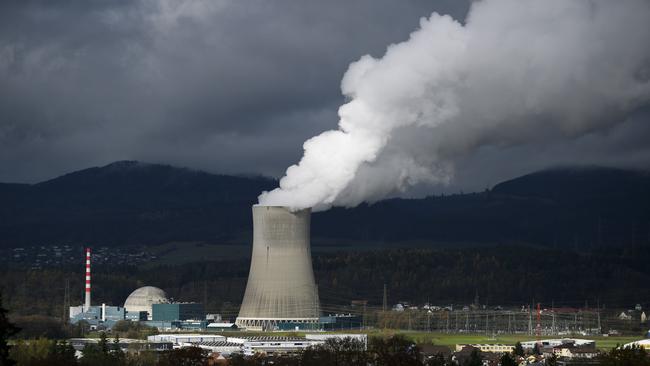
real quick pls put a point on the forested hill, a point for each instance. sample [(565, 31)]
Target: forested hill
[(138, 203)]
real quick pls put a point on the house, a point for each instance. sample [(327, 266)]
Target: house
[(571, 351), (493, 348)]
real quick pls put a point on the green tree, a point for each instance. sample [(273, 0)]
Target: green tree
[(625, 356), (437, 360), (142, 358), (551, 361), (7, 329), (122, 326), (507, 360), (336, 352), (61, 354), (117, 353), (102, 354), (43, 352), (238, 359), (190, 356), (474, 358), (394, 351), (519, 350)]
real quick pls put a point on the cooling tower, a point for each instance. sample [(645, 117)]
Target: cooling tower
[(281, 286)]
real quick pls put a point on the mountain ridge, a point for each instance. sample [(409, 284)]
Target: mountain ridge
[(130, 202)]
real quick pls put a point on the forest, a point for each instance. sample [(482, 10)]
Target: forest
[(509, 276)]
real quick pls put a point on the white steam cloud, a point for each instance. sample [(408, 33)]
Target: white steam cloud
[(518, 71)]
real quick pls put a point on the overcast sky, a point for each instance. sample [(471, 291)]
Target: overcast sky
[(223, 86)]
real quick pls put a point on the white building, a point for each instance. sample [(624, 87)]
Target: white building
[(223, 347), (495, 348), (575, 352), (178, 339), (558, 342), (644, 343)]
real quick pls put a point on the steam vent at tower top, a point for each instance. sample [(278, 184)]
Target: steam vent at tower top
[(281, 286)]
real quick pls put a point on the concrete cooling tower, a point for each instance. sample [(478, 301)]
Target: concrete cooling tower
[(281, 286)]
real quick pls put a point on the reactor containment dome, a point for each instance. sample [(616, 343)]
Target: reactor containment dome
[(281, 286), (142, 299)]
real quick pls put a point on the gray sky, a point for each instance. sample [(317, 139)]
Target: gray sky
[(222, 86)]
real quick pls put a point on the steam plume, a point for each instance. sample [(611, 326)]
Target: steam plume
[(518, 71)]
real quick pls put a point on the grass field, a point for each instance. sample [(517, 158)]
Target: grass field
[(451, 340)]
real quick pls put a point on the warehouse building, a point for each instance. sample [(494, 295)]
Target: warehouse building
[(177, 339)]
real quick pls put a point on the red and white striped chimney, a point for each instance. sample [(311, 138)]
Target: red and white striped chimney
[(87, 304)]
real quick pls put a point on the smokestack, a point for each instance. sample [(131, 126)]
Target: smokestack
[(281, 286), (87, 303)]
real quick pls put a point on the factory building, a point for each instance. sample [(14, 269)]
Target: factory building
[(138, 307), (252, 345), (281, 286), (94, 315), (177, 311)]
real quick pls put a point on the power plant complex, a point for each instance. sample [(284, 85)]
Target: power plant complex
[(281, 291), (147, 304)]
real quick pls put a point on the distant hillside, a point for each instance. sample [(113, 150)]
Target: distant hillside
[(137, 203), (128, 202), (568, 207)]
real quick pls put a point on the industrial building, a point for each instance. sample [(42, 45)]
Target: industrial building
[(185, 338), (252, 345), (177, 311), (94, 315), (125, 344), (143, 298), (281, 287), (139, 306)]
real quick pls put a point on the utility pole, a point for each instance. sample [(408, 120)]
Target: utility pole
[(509, 330), (66, 301), (600, 331), (205, 296), (385, 298), (530, 321), (539, 323), (553, 326), (446, 313), (553, 330)]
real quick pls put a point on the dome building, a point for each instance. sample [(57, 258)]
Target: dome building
[(142, 299)]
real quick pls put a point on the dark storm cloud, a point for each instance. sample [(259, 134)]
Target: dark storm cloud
[(225, 86)]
